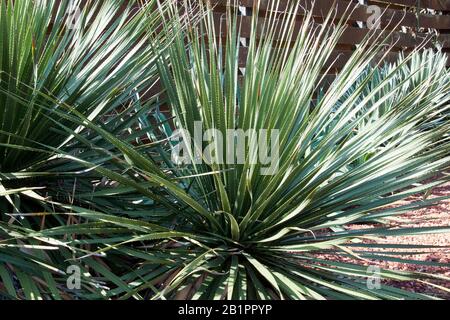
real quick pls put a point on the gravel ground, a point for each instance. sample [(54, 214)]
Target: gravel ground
[(438, 215)]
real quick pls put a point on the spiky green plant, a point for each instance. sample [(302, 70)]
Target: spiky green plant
[(91, 55), (94, 56), (408, 76), (224, 231)]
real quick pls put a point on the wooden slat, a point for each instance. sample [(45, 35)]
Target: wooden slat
[(442, 5), (444, 39), (351, 35), (338, 58)]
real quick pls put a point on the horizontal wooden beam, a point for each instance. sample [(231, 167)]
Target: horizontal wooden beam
[(441, 5), (351, 35)]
